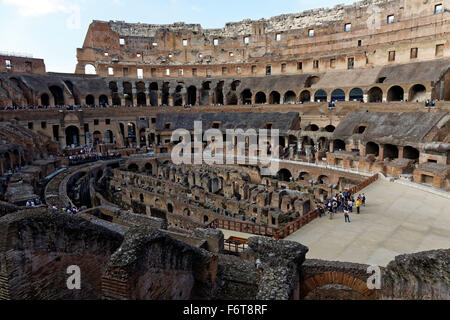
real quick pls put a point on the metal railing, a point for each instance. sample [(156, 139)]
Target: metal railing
[(244, 227)]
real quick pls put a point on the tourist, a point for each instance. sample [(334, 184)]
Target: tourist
[(346, 215), (364, 199), (350, 204), (335, 205), (28, 204), (358, 205)]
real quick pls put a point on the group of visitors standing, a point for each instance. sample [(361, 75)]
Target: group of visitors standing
[(343, 202)]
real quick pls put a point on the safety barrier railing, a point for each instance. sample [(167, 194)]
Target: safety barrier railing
[(244, 227)]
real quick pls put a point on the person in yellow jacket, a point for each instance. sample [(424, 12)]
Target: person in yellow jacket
[(358, 205)]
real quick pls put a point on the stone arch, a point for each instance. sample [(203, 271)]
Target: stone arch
[(141, 99), (141, 198), (219, 92), (312, 127), (246, 96), (260, 98), (109, 136), (274, 97), (305, 96), (320, 96), (395, 93), (375, 94), (323, 179), (45, 100), (58, 95), (90, 100), (356, 94), (284, 175), (411, 153), (338, 95), (128, 93), (178, 95), (72, 136), (103, 100), (390, 151), (90, 69), (304, 176), (153, 94), (418, 93), (192, 95), (335, 278), (290, 97), (339, 144), (97, 137), (232, 98), (148, 168), (330, 128), (165, 93), (116, 101), (372, 148), (205, 93)]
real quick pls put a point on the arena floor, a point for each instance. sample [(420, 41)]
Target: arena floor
[(398, 219)]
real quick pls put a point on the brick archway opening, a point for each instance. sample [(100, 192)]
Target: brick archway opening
[(336, 281)]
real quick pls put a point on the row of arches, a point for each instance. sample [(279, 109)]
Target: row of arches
[(181, 95)]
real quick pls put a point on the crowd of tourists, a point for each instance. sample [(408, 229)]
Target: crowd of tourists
[(342, 203)]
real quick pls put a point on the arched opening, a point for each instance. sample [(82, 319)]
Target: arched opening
[(312, 80), (274, 97), (330, 128), (375, 95), (417, 93), (304, 176), (323, 180), (395, 93), (58, 95), (320, 96), (90, 100), (338, 95), (153, 94), (356, 95), (219, 92), (372, 148), (360, 129), (109, 137), (232, 98), (170, 208), (131, 132), (89, 69), (97, 136), (178, 96), (128, 93), (141, 99), (284, 175), (312, 127), (187, 213), (72, 136), (390, 151), (205, 219), (103, 100), (142, 137), (192, 96), (305, 96), (165, 94), (141, 197), (338, 145), (260, 98), (149, 168), (246, 96), (116, 101), (411, 153), (205, 93), (45, 100), (290, 97), (133, 167)]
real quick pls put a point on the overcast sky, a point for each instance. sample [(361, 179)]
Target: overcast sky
[(53, 29)]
